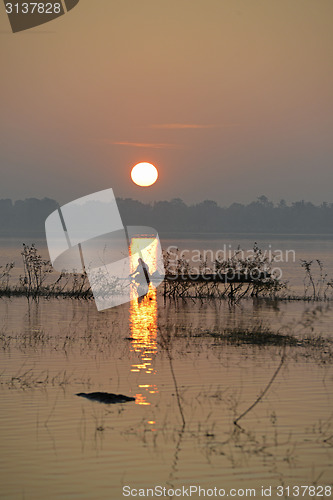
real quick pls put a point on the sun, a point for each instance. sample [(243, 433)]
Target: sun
[(144, 174)]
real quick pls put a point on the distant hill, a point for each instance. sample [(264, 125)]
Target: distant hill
[(27, 217)]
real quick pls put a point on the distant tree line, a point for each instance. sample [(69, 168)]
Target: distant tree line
[(27, 217), (260, 216)]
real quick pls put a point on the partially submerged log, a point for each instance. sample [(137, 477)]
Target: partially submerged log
[(106, 397)]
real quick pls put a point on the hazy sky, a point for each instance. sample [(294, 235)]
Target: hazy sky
[(230, 99)]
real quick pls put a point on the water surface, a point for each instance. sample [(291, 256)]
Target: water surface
[(57, 445)]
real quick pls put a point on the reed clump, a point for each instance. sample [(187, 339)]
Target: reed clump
[(234, 278), (317, 284), (40, 280)]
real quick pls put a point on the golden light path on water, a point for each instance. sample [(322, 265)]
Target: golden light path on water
[(143, 320)]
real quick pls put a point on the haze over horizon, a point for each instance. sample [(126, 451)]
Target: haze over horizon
[(229, 99)]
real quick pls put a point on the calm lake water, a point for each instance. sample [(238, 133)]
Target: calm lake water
[(57, 445)]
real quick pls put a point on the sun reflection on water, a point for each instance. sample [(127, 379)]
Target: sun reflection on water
[(143, 320)]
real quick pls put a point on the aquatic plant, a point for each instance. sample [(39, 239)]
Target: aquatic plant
[(165, 340), (233, 278), (5, 275), (316, 279), (40, 280), (36, 270)]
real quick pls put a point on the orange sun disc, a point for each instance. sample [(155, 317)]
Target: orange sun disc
[(144, 174)]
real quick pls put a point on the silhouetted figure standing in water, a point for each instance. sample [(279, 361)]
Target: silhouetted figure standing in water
[(142, 279), (141, 273)]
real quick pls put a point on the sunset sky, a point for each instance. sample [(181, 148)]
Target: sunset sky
[(230, 99)]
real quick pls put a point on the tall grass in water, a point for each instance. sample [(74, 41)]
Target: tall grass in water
[(37, 281), (316, 280), (5, 276), (35, 268)]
